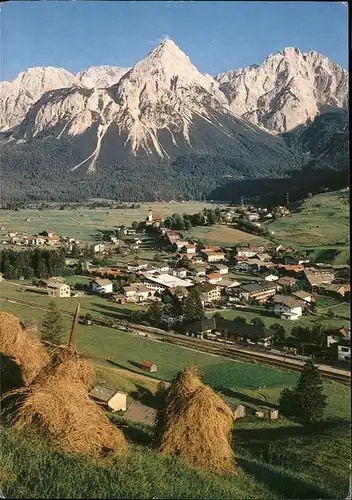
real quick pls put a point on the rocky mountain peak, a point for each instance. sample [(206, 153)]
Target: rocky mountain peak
[(18, 95), (288, 89)]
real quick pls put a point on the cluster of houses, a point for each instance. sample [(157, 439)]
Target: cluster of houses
[(210, 270), (48, 237)]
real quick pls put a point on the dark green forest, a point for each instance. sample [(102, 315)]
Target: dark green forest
[(39, 170)]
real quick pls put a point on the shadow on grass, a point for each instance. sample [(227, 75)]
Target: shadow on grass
[(36, 292), (290, 443), (126, 367), (118, 311), (286, 486), (135, 434), (246, 399)]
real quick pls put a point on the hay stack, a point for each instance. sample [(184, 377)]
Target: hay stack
[(57, 404), (21, 348), (197, 424)]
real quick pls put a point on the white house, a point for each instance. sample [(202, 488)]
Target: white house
[(58, 290), (36, 240), (213, 256), (189, 248), (179, 244), (170, 320), (199, 271), (271, 277), (100, 247), (248, 251), (101, 286), (222, 269), (161, 267), (180, 272), (136, 292), (287, 307), (344, 352)]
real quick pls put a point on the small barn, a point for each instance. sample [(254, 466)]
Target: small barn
[(239, 411), (149, 366), (267, 413), (110, 398), (138, 412)]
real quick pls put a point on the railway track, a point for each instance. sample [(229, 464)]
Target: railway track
[(252, 357), (211, 347)]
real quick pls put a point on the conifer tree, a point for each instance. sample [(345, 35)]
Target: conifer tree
[(311, 399), (307, 401), (154, 313), (52, 328), (193, 309)]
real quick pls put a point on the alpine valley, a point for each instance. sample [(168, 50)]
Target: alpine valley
[(163, 130)]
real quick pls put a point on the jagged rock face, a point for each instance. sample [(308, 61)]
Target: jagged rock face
[(100, 76), (288, 89), (161, 107), (18, 96)]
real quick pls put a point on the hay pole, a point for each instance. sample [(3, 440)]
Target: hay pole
[(73, 335)]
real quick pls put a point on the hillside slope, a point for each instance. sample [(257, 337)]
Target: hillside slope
[(321, 224)]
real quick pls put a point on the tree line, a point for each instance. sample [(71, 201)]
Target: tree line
[(39, 263)]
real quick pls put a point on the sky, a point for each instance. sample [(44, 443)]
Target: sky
[(217, 36)]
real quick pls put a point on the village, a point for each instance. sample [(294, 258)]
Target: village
[(270, 280)]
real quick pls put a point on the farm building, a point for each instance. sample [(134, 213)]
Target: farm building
[(235, 331), (137, 412), (238, 410), (58, 290), (149, 366), (267, 413), (110, 398), (257, 291)]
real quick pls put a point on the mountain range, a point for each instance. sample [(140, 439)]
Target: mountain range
[(162, 129)]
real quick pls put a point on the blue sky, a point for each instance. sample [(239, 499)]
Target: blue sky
[(217, 36)]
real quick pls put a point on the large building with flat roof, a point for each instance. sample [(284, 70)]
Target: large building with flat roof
[(161, 282)]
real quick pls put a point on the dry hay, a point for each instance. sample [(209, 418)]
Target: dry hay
[(57, 404), (21, 347), (66, 364), (197, 425)]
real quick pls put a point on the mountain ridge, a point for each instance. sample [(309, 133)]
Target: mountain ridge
[(162, 128)]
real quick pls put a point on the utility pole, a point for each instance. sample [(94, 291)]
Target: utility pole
[(242, 202)]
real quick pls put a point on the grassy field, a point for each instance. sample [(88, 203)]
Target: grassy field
[(85, 223), (280, 460), (276, 459), (223, 235), (320, 224)]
